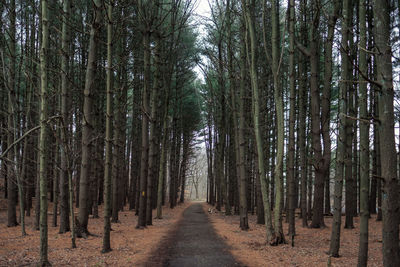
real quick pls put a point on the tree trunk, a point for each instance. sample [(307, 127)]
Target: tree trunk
[(87, 122), (342, 138), (326, 103), (154, 95), (271, 238), (11, 168), (318, 202), (278, 97), (108, 138), (390, 201), (244, 224), (292, 122), (302, 70), (145, 132), (64, 209), (43, 147), (364, 140)]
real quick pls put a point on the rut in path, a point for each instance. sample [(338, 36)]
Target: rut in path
[(193, 243)]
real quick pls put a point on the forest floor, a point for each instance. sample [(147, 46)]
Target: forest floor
[(310, 245), (131, 246)]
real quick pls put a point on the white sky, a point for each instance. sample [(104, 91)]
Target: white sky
[(202, 8)]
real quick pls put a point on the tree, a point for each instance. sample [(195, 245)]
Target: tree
[(248, 16), (108, 138), (278, 98), (342, 137), (64, 212), (390, 201), (11, 168), (87, 120), (43, 147), (364, 140), (292, 118)]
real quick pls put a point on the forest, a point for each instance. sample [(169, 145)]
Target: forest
[(118, 117)]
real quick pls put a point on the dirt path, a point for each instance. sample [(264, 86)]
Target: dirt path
[(193, 243)]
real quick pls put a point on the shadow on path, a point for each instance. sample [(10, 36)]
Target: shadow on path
[(193, 243)]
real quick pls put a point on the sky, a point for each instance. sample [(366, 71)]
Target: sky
[(203, 8)]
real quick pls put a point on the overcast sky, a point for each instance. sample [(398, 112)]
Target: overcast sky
[(203, 8)]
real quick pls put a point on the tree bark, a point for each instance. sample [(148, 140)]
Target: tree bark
[(364, 140), (292, 120), (108, 138), (43, 147), (342, 138), (271, 237), (390, 199), (87, 121), (11, 168), (145, 132)]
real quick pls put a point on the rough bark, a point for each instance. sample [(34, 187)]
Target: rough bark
[(342, 138), (390, 199), (292, 120), (364, 140), (43, 146), (145, 132), (271, 238), (108, 138), (87, 121), (11, 168)]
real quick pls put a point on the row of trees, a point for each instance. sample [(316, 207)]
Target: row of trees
[(298, 95), (99, 105)]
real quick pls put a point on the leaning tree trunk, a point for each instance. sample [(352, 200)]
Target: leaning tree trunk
[(256, 118)]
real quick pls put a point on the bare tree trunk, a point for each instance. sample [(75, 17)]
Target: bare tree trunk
[(278, 97), (244, 224), (11, 164), (302, 120), (342, 137), (364, 140), (151, 176), (326, 103), (318, 202), (64, 211), (390, 201), (292, 121), (43, 147), (108, 139), (87, 121), (145, 132), (271, 237)]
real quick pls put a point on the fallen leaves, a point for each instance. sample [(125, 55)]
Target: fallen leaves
[(311, 245), (131, 246)]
